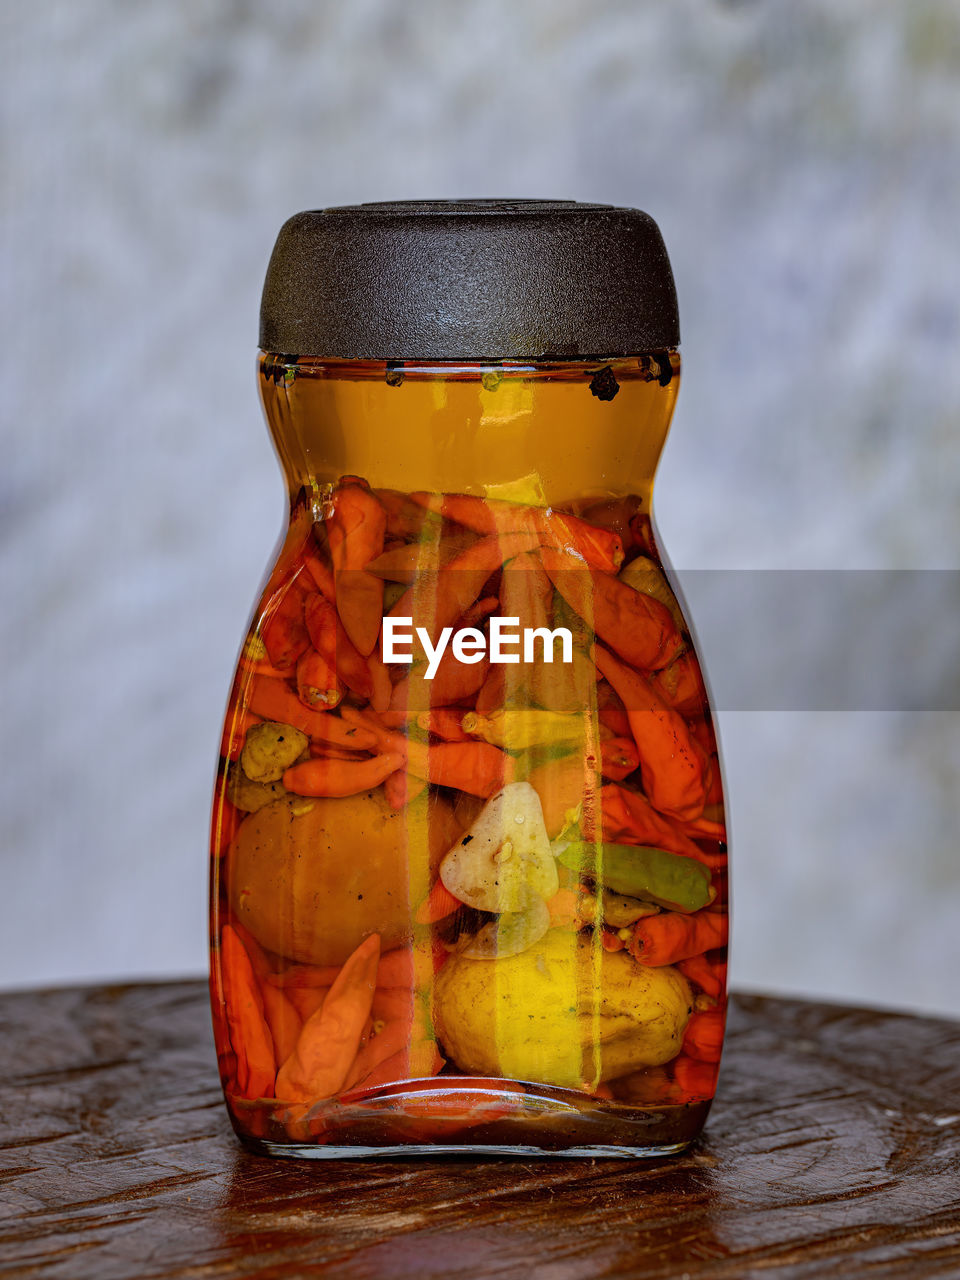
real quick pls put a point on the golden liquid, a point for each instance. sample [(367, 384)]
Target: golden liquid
[(454, 429)]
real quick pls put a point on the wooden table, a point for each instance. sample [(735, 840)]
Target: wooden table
[(833, 1150)]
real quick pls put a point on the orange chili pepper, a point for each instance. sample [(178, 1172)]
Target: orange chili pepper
[(250, 667), (405, 561), (651, 1084), (444, 722), (417, 1059), (395, 969), (282, 1018), (446, 593), (224, 821), (566, 786), (614, 514), (705, 828), (328, 777), (274, 700), (454, 1103), (355, 532), (493, 691), (629, 818), (611, 941), (479, 610), (402, 562), (381, 687), (703, 1038), (318, 685), (374, 1072), (474, 767), (393, 1003), (390, 1045), (696, 1079), (249, 1033), (402, 789), (328, 1043), (283, 630), (454, 681), (674, 935), (669, 765), (320, 619), (601, 548), (320, 573), (702, 730), (282, 1014), (328, 636), (400, 1048), (328, 751), (255, 953), (639, 628), (620, 757), (564, 909), (680, 685), (710, 977), (642, 529), (526, 593), (405, 518), (307, 1000), (226, 1058), (611, 712), (438, 904), (715, 785)]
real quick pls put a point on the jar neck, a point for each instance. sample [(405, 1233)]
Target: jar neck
[(520, 432)]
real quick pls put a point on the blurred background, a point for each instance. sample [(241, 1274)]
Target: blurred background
[(803, 162)]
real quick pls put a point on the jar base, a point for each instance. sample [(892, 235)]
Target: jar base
[(468, 1116), (475, 1151)]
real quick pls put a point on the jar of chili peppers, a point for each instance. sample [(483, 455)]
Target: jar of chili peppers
[(469, 869)]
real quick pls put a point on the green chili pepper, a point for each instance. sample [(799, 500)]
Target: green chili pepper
[(668, 879)]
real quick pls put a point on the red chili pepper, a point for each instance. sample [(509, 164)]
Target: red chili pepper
[(639, 628), (696, 1079), (249, 1033), (710, 976), (283, 629), (629, 818), (599, 547), (327, 777), (444, 594), (274, 700), (703, 1038), (318, 685), (355, 531), (669, 765), (674, 935)]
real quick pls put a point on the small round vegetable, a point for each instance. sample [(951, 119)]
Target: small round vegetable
[(249, 796), (313, 885), (563, 1012), (270, 749)]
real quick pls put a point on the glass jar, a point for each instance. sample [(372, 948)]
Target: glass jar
[(469, 885)]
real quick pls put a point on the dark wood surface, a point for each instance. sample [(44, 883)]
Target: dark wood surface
[(833, 1150)]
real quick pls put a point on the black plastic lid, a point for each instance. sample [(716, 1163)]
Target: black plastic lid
[(468, 280)]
